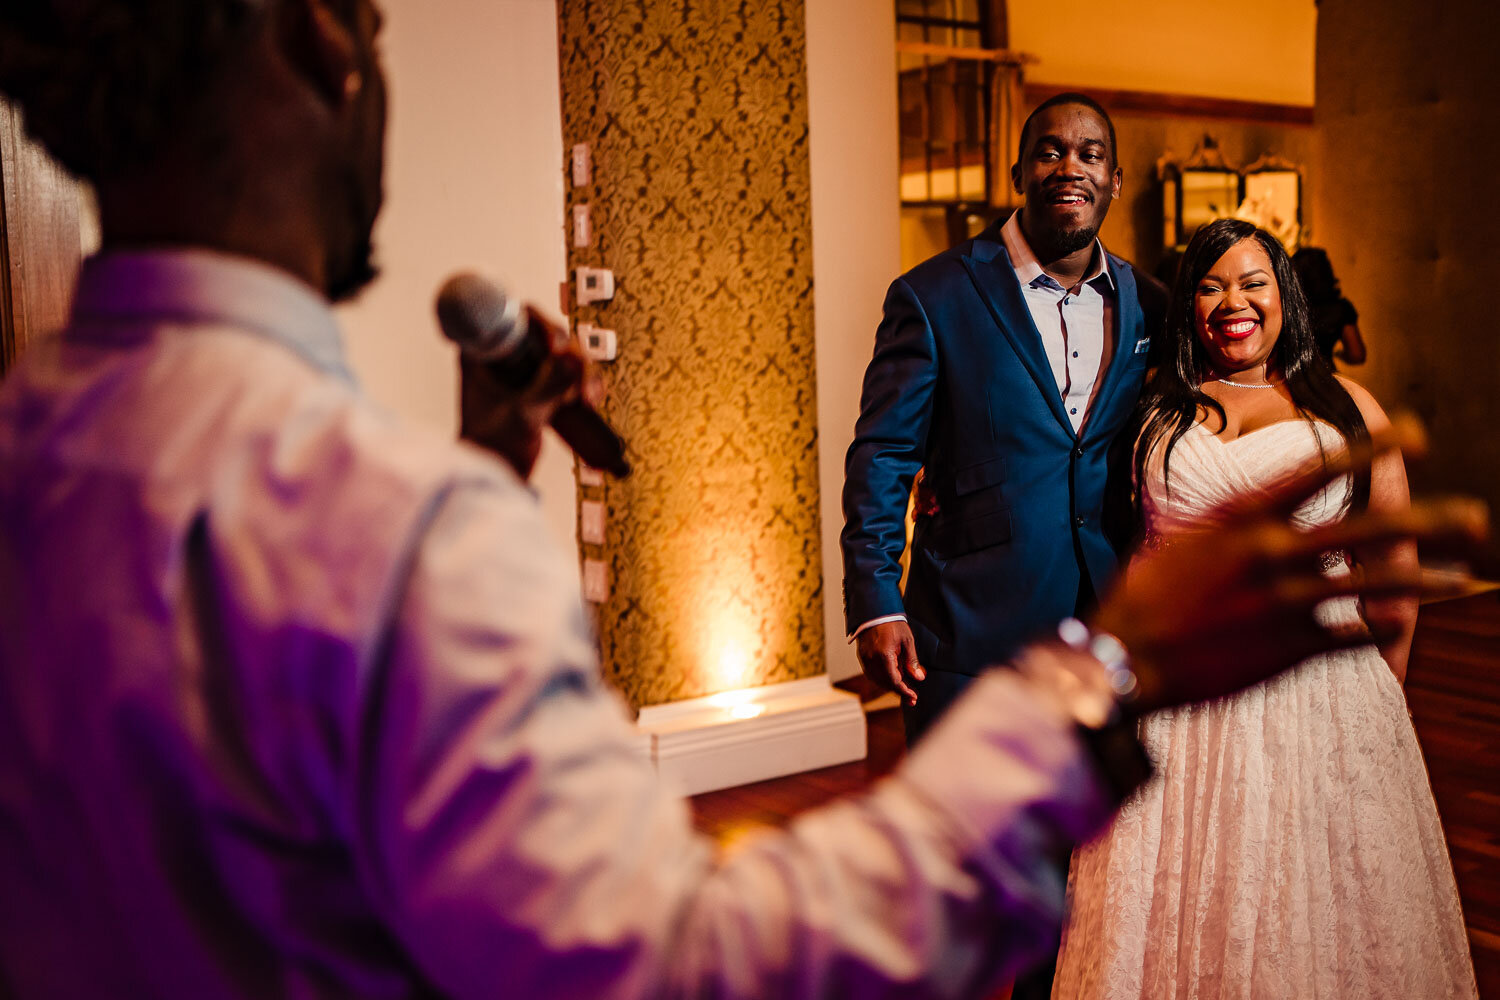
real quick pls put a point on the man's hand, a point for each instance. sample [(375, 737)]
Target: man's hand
[(509, 422), (1217, 610), (887, 654)]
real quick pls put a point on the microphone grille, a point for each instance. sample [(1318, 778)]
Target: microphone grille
[(475, 314)]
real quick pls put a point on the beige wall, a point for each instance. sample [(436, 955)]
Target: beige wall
[(1211, 48), (1406, 110), (474, 181), (851, 82)]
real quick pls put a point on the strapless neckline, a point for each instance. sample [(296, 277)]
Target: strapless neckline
[(1207, 472), (1296, 421)]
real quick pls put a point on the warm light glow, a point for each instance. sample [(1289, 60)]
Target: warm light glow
[(739, 704), (729, 650), (733, 664), (943, 184), (732, 636), (730, 699)]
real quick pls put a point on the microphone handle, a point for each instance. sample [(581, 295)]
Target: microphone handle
[(591, 439), (577, 423)]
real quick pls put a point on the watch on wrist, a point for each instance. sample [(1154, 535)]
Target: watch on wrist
[(1111, 654), (1089, 675)]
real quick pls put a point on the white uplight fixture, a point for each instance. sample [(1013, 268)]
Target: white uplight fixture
[(745, 732), (750, 734)]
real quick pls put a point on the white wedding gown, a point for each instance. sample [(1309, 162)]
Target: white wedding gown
[(1288, 846)]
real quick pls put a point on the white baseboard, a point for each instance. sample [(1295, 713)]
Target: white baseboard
[(739, 737)]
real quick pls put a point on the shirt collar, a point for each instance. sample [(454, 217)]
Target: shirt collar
[(198, 286), (1029, 270)]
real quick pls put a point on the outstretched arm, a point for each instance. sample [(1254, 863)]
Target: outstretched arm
[(517, 843), (514, 840)]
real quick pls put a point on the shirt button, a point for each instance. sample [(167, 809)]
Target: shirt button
[(1075, 354), (1073, 410)]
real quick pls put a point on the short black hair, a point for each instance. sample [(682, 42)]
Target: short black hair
[(1071, 97), (103, 84)]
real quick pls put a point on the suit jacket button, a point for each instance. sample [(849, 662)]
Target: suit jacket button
[(1078, 452), (1080, 520)]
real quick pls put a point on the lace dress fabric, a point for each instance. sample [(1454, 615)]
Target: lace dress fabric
[(1289, 846)]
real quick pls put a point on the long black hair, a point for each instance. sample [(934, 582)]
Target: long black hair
[(1173, 393)]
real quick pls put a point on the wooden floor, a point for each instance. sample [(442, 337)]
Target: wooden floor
[(733, 812), (1453, 688)]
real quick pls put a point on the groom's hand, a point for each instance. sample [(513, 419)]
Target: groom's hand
[(1218, 609), (888, 655)]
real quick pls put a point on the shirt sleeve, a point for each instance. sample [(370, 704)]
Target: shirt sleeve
[(516, 840), (875, 621)]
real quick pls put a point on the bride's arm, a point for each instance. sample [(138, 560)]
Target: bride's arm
[(1388, 491)]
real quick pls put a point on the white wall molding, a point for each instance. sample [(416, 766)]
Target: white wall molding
[(740, 737)]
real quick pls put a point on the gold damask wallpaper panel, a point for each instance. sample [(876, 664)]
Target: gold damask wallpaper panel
[(696, 115)]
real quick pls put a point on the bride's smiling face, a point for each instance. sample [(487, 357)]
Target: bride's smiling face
[(1237, 307)]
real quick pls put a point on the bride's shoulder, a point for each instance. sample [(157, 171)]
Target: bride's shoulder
[(1375, 418)]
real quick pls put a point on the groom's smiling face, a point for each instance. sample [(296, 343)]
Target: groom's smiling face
[(1068, 174)]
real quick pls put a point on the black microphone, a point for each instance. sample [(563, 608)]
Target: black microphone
[(492, 328)]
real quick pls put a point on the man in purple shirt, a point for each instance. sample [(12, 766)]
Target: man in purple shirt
[(297, 700)]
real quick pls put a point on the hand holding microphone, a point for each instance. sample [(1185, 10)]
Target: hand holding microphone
[(520, 373)]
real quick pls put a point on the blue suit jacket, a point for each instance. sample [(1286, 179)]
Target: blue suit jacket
[(960, 385)]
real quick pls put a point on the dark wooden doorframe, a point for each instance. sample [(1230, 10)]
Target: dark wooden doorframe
[(8, 346), (42, 213)]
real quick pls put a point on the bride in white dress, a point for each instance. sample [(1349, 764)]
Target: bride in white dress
[(1289, 846)]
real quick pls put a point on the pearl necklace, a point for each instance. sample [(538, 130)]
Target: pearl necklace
[(1247, 385)]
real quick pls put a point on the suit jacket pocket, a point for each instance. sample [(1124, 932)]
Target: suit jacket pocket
[(978, 476), (951, 537)]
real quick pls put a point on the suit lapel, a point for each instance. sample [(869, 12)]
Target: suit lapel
[(1127, 316), (998, 286)]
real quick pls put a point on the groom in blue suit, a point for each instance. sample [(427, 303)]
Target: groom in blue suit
[(1004, 368)]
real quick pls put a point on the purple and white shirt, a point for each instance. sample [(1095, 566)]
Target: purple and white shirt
[(297, 700)]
